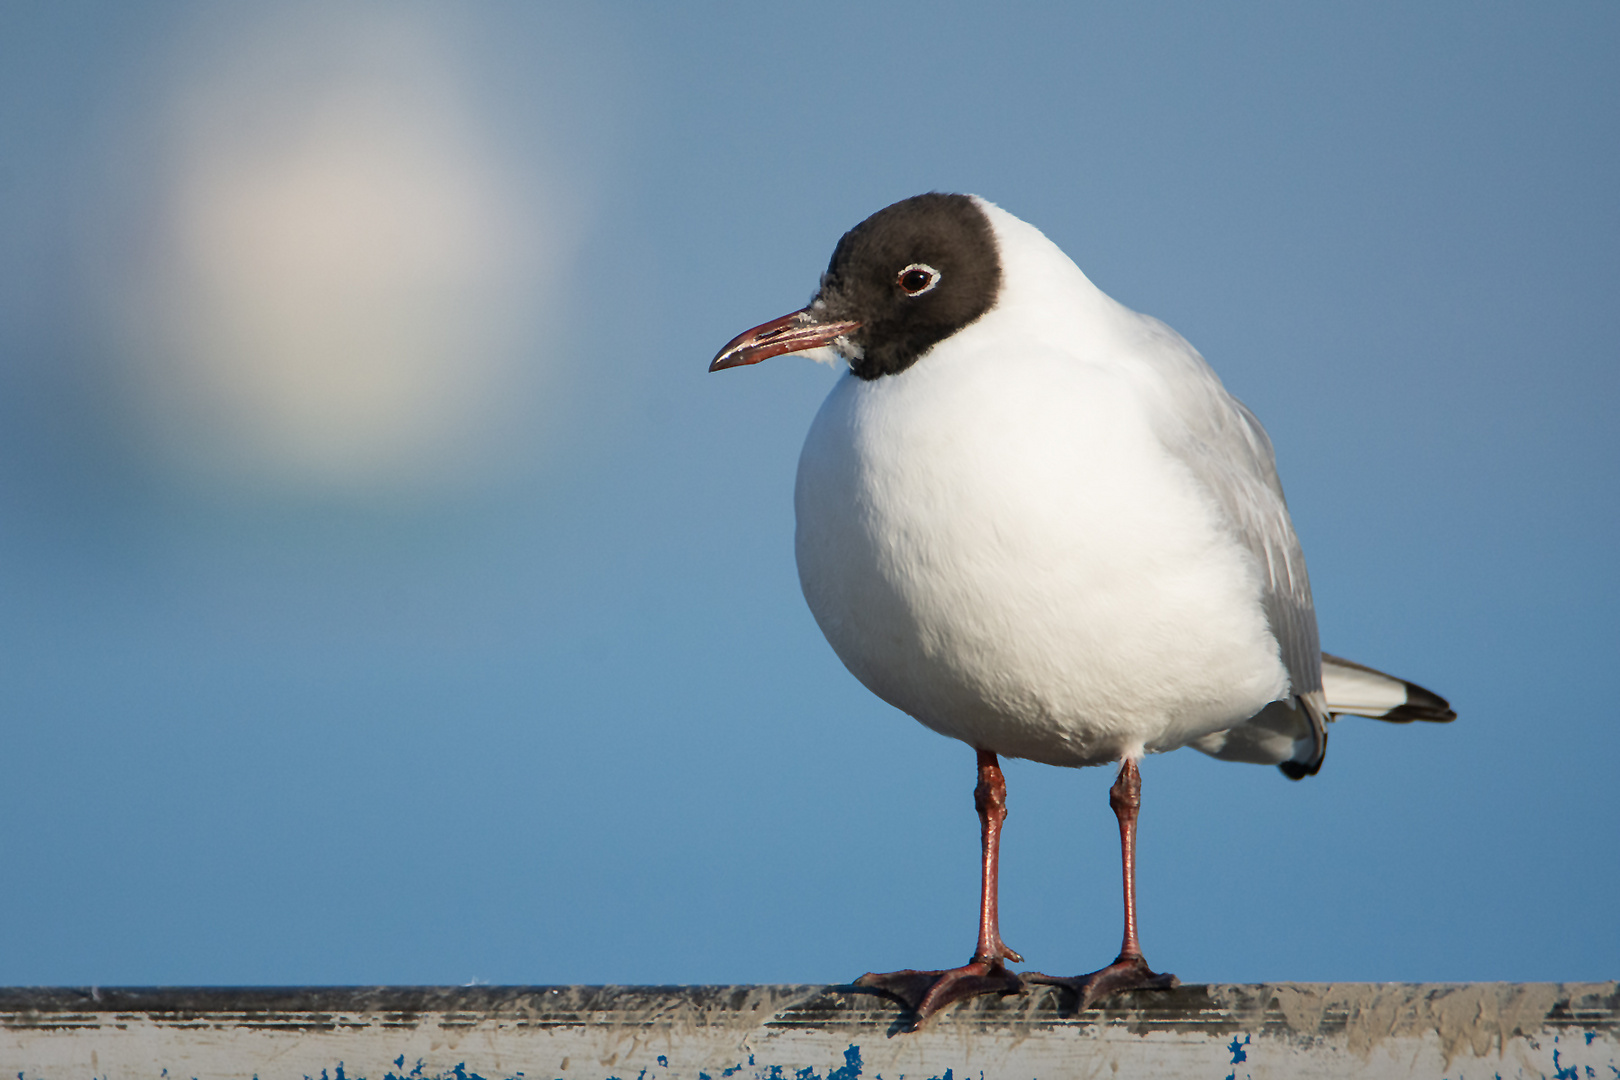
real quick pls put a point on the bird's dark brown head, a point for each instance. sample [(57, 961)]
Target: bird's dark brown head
[(912, 275), (900, 282)]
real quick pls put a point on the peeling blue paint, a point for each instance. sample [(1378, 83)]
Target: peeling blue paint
[(399, 1063), (853, 1067)]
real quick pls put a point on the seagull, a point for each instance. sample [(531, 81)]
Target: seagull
[(1036, 521)]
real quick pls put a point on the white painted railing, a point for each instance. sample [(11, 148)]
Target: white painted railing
[(1567, 1031)]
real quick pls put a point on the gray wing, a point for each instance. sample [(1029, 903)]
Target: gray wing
[(1240, 471), (1228, 452)]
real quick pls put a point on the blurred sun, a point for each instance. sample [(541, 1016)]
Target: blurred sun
[(342, 277)]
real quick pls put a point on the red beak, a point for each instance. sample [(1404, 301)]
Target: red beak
[(789, 334)]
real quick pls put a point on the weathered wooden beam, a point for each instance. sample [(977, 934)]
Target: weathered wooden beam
[(809, 1033)]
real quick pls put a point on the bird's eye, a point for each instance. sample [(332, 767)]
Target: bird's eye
[(917, 279)]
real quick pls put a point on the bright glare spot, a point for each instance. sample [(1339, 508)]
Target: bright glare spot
[(343, 277)]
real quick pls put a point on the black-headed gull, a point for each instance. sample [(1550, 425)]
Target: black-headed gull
[(1035, 520)]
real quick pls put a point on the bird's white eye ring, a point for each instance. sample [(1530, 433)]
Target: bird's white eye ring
[(917, 279)]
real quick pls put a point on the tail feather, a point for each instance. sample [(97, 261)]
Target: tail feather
[(1357, 690), (1292, 733)]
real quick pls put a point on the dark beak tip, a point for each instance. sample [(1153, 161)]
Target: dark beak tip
[(731, 356)]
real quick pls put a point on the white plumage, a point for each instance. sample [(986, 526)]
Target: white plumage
[(999, 541)]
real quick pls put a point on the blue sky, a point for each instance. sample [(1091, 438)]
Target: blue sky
[(388, 595)]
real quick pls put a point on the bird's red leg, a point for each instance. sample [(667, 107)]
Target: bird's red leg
[(926, 992), (1129, 971)]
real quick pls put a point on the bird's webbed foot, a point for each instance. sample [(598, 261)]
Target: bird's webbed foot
[(1125, 973), (927, 992)]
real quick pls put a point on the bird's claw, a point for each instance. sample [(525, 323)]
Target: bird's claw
[(1125, 973), (924, 993)]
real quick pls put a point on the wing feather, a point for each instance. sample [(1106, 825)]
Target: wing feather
[(1229, 453)]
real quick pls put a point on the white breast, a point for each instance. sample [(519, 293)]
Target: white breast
[(995, 542)]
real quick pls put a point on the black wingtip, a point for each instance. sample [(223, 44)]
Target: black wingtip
[(1421, 704), (1315, 712), (1299, 770)]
